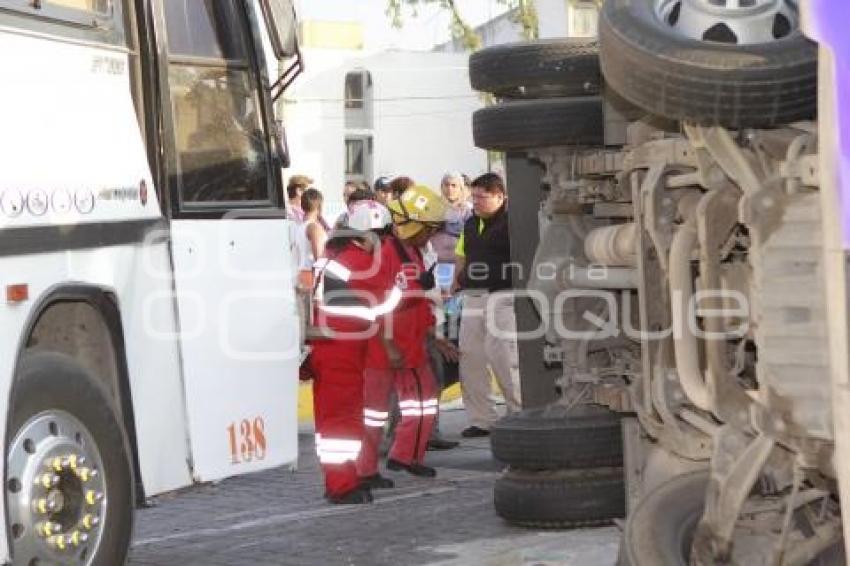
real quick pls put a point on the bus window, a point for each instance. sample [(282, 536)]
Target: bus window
[(100, 21), (221, 144)]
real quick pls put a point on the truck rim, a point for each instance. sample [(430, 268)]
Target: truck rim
[(740, 22), (56, 491)]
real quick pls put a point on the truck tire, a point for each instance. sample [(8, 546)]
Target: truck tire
[(585, 436), (531, 124), (537, 69), (661, 528), (561, 499), (711, 83), (67, 466)]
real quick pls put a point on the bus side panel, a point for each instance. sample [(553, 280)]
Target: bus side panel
[(240, 343), (73, 155), (143, 281)]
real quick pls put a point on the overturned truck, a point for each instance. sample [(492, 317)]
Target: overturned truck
[(685, 279)]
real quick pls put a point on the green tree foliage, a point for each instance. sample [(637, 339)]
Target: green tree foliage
[(525, 15)]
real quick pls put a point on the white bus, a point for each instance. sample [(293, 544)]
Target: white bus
[(150, 333)]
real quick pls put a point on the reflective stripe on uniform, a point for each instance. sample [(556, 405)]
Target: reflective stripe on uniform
[(413, 408), (336, 458), (376, 414), (366, 313), (375, 419), (335, 268), (337, 450), (418, 412)]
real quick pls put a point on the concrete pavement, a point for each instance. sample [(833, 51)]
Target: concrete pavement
[(278, 517)]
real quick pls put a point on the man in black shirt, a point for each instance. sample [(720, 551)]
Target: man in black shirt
[(488, 325)]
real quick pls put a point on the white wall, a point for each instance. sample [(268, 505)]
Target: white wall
[(423, 115), (313, 115), (552, 18), (502, 29), (422, 112)]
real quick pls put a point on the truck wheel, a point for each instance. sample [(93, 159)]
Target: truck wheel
[(745, 66), (661, 528), (554, 437), (69, 488), (537, 69), (561, 499), (530, 124)]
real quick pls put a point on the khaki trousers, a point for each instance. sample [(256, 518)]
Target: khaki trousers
[(488, 341)]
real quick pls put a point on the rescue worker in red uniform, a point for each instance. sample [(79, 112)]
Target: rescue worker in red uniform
[(397, 357), (353, 292)]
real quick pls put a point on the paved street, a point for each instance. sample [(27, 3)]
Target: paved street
[(279, 517)]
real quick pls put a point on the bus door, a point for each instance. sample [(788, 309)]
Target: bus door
[(233, 253)]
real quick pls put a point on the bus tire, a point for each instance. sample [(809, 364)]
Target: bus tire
[(561, 499), (554, 437), (529, 124), (711, 83), (59, 415), (537, 69)]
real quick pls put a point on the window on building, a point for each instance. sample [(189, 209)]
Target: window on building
[(583, 18), (354, 90), (355, 157)]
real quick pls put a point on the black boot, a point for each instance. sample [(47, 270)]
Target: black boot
[(357, 496), (438, 443), (415, 469), (376, 481), (474, 432)]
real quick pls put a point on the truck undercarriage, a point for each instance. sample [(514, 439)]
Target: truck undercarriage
[(680, 277)]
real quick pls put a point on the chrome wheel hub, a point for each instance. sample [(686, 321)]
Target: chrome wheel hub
[(55, 492), (741, 22)]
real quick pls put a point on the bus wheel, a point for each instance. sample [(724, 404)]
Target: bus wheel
[(69, 488)]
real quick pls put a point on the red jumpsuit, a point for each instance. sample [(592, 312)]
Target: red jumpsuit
[(408, 326), (358, 295)]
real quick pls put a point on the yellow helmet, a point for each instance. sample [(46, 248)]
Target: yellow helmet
[(416, 208)]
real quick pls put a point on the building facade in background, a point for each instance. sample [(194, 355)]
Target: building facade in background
[(556, 18), (359, 113), (355, 115)]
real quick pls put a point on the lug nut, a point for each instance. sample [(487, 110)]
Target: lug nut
[(57, 541), (78, 538), (57, 464), (86, 474), (93, 497), (48, 529), (44, 506), (71, 461), (47, 480), (90, 522)]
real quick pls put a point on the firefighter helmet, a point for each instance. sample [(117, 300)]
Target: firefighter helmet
[(367, 215), (416, 208)]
